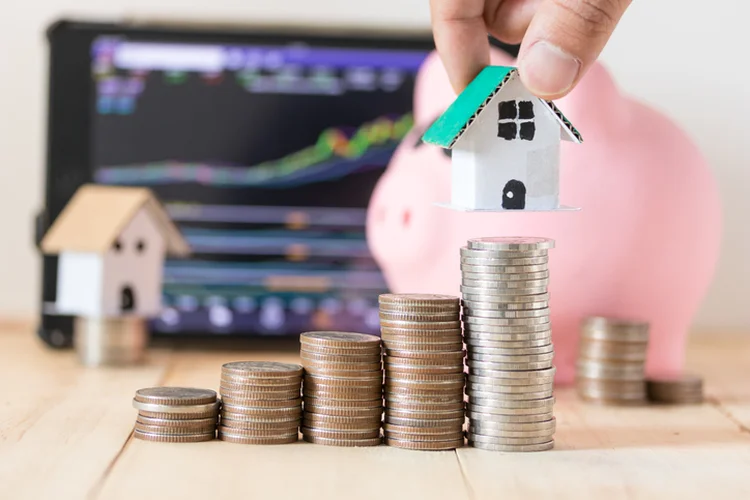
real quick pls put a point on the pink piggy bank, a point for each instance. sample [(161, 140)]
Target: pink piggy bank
[(643, 246)]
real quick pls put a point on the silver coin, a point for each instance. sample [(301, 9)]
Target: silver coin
[(431, 325), (498, 351), (500, 358), (501, 294), (500, 282), (261, 369), (510, 344), (479, 395), (482, 253), (494, 403), (488, 313), (517, 243), (540, 425), (469, 268), (523, 375), (503, 333), (505, 300), (504, 306), (477, 415), (479, 438), (479, 429), (509, 411), (484, 259), (587, 369), (606, 355), (513, 448), (510, 389), (511, 382), (486, 367), (425, 422), (505, 277), (522, 322)]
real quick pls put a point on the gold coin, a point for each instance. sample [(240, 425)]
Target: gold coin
[(342, 442), (368, 372), (418, 317), (197, 423), (350, 340), (447, 436), (344, 403), (425, 377), (175, 396), (239, 439), (418, 299), (340, 434), (423, 431), (339, 359), (180, 431), (432, 325), (179, 416), (427, 414), (367, 395), (410, 406), (276, 427), (425, 422), (424, 347), (425, 445), (264, 412), (262, 403), (174, 438), (256, 433), (456, 355), (341, 351), (261, 369), (343, 411)]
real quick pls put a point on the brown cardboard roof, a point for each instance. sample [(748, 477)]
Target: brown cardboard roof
[(95, 216)]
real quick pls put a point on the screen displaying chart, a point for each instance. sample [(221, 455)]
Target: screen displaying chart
[(265, 157)]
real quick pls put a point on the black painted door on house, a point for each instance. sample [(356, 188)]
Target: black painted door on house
[(514, 195), (127, 299)]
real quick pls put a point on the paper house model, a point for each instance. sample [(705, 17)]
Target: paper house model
[(112, 243), (505, 145)]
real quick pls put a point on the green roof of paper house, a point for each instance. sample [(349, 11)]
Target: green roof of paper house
[(446, 130)]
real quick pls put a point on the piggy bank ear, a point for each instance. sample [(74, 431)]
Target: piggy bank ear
[(433, 92)]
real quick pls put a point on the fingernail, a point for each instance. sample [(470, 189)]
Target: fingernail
[(548, 70)]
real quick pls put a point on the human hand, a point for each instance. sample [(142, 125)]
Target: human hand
[(560, 39)]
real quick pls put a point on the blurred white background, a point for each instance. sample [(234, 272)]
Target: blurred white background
[(685, 57)]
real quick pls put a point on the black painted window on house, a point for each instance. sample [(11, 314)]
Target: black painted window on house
[(516, 120)]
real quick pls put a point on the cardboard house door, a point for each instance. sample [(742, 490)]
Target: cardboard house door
[(514, 195), (127, 298)]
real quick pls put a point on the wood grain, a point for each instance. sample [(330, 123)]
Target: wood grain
[(65, 433)]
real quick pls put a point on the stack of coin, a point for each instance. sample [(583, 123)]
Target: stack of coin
[(684, 390), (509, 344), (424, 371), (611, 361), (343, 388), (175, 414), (261, 402)]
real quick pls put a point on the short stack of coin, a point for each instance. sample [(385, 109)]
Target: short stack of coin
[(176, 414), (612, 361), (678, 390), (261, 402), (508, 339), (343, 388), (424, 371)]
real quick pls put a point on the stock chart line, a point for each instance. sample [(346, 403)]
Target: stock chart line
[(334, 155)]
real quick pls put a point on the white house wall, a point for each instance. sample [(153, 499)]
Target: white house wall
[(494, 160), (79, 284), (142, 271)]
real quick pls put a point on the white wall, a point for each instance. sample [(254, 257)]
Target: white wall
[(686, 57)]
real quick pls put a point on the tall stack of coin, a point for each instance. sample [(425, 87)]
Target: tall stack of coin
[(612, 361), (676, 390), (424, 371), (261, 402), (175, 414), (508, 339), (343, 388)]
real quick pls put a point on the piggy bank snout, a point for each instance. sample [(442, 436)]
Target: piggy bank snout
[(403, 221)]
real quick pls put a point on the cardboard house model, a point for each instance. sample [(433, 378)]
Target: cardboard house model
[(505, 145), (112, 243)]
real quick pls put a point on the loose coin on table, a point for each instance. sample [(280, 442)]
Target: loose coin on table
[(261, 402), (510, 354), (342, 389), (677, 390), (175, 414), (424, 371)]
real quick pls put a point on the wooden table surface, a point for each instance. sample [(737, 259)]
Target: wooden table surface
[(65, 432)]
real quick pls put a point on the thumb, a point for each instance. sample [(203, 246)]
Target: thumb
[(563, 40)]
